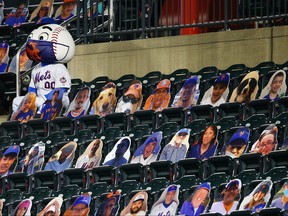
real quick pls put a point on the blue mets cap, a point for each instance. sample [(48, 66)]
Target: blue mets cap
[(153, 139), (223, 78), (264, 187), (83, 199), (12, 150), (240, 137), (233, 184), (205, 185), (183, 130), (125, 142), (4, 45), (172, 188), (47, 20), (191, 81)]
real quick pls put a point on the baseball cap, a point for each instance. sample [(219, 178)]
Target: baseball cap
[(46, 20), (4, 45), (67, 1), (172, 188), (183, 130), (153, 139), (68, 148), (83, 199), (233, 184), (12, 151), (163, 84), (205, 185), (139, 197), (192, 80), (125, 142), (223, 78), (240, 137)]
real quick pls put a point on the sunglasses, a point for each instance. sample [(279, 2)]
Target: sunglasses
[(127, 99)]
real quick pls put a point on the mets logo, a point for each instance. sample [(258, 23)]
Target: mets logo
[(63, 80)]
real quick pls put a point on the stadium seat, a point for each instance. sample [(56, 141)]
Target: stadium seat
[(186, 182), (169, 129), (250, 161), (230, 109), (276, 174), (271, 211), (217, 164), (117, 120), (276, 159), (25, 143), (16, 180), (255, 121), (155, 185), (133, 171), (101, 174), (235, 70), (148, 81), (258, 106), (172, 114), (37, 126), (14, 129), (11, 196), (81, 137), (201, 112), (206, 73), (197, 126), (246, 176), (73, 176), (241, 213), (159, 169), (76, 85), (190, 166), (144, 117), (281, 106), (5, 141), (122, 83), (97, 189), (91, 122), (64, 124), (211, 214), (226, 123), (97, 83), (46, 178), (176, 78)]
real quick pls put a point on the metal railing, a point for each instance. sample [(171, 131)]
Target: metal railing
[(130, 19)]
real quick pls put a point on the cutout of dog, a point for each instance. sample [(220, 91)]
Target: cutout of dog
[(106, 101), (247, 89)]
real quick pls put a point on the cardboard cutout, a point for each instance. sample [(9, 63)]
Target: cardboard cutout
[(80, 105), (80, 207), (67, 10), (188, 94), (247, 89), (34, 160), (206, 146), (106, 101), (24, 63), (280, 199), (92, 156), (149, 150), (120, 153), (276, 87), (167, 203), (23, 208), (237, 144), (9, 160), (177, 148), (160, 98), (259, 197), (228, 199), (110, 205), (267, 141), (63, 158), (217, 94), (45, 8), (198, 200), (52, 108), (27, 108), (4, 56), (53, 207), (131, 99), (137, 205)]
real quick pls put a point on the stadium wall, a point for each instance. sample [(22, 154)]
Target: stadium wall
[(166, 54)]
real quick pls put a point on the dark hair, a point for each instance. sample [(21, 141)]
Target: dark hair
[(215, 130), (280, 74)]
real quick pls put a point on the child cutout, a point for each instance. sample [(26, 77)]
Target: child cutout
[(177, 148), (160, 98), (27, 109), (188, 95), (217, 94), (229, 198), (63, 158), (92, 156), (237, 144), (276, 86), (149, 150), (137, 205), (267, 141), (198, 201), (259, 197), (120, 153)]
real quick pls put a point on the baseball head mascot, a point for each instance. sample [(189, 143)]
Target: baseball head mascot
[(51, 45)]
